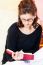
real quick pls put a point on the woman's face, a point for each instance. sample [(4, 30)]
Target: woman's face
[(27, 19)]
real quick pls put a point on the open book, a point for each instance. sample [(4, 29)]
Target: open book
[(26, 56), (38, 58)]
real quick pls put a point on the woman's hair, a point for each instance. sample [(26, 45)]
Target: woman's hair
[(27, 6)]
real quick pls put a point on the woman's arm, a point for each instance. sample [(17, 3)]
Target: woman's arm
[(10, 43)]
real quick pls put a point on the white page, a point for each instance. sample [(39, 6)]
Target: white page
[(38, 58), (39, 54)]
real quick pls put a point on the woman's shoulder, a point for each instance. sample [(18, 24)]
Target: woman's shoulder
[(13, 26), (39, 28)]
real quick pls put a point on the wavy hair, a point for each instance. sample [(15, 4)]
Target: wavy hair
[(27, 6)]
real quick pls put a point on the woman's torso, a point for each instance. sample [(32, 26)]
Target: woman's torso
[(30, 42)]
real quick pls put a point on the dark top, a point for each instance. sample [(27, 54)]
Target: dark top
[(16, 41)]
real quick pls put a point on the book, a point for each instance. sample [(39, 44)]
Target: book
[(26, 56)]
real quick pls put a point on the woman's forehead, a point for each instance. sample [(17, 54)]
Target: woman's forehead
[(27, 15)]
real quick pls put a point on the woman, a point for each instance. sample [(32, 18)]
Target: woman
[(25, 34)]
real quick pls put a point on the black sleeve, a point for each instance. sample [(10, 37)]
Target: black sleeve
[(37, 38), (10, 43)]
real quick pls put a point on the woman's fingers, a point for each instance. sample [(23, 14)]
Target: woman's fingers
[(17, 55), (21, 54), (13, 55)]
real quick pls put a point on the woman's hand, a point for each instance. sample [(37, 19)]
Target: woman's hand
[(17, 55)]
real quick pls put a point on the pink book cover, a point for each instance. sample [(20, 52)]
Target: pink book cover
[(26, 56)]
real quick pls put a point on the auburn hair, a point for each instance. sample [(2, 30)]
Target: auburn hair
[(27, 6)]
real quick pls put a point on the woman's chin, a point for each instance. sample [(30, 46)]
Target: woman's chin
[(28, 26)]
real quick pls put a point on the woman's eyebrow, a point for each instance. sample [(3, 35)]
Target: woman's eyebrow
[(28, 19)]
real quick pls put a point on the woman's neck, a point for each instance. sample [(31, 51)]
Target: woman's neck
[(27, 30), (29, 27)]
